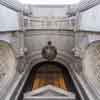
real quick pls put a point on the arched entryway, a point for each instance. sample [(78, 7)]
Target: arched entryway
[(50, 73)]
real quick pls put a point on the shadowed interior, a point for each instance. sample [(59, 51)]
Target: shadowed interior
[(49, 73)]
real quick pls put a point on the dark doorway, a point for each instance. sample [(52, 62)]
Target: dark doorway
[(52, 73)]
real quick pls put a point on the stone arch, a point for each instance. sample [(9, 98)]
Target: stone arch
[(8, 65), (93, 42), (29, 85), (62, 57), (91, 63)]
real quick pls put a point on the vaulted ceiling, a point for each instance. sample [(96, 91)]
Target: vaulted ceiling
[(83, 5)]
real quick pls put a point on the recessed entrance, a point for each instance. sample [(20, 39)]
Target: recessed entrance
[(49, 73)]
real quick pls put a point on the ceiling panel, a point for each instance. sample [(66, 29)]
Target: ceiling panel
[(83, 5), (86, 4), (14, 4)]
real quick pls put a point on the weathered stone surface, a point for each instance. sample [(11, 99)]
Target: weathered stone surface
[(91, 63), (7, 65)]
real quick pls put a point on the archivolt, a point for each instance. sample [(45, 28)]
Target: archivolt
[(64, 58)]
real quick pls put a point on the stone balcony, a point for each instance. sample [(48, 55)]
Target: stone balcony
[(59, 23)]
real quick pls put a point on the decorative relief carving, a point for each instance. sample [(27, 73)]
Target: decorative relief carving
[(7, 65), (49, 52), (91, 63), (49, 22)]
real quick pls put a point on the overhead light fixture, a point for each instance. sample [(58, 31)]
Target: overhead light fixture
[(50, 2)]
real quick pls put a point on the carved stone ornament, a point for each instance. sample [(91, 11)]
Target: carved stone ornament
[(7, 65), (49, 52)]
